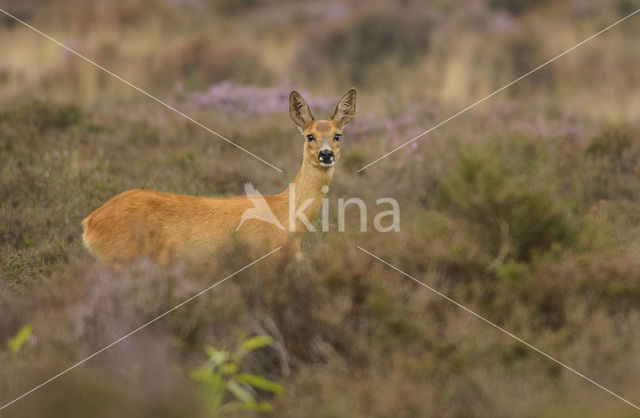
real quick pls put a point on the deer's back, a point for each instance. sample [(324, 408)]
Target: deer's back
[(140, 223)]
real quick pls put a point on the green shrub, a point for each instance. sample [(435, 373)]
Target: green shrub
[(506, 190), (612, 169), (516, 7), (358, 46), (199, 62), (43, 115), (511, 271)]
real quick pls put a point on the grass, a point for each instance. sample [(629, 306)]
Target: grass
[(524, 209)]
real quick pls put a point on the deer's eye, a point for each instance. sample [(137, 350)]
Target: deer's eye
[(311, 138), (336, 137)]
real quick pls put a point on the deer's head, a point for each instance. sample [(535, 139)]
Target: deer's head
[(322, 137)]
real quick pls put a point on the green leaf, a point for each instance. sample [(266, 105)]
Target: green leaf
[(264, 407), (210, 350), (241, 393), (248, 406), (229, 368), (219, 358), (260, 382), (259, 406), (213, 380), (16, 343), (255, 342)]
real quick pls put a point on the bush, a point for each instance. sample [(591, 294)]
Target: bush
[(42, 115), (507, 191), (355, 48), (612, 169), (516, 7), (200, 61)]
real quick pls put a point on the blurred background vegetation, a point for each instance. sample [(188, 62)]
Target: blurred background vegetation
[(525, 209)]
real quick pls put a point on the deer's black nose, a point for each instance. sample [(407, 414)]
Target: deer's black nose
[(326, 157)]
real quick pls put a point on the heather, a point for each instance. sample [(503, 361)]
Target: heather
[(524, 209)]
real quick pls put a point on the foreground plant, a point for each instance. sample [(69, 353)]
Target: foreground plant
[(16, 343), (221, 380)]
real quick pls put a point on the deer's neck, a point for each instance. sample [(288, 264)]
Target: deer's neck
[(308, 186)]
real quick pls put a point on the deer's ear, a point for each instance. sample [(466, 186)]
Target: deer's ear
[(346, 109), (299, 109)]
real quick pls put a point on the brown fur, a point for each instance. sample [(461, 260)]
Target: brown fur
[(166, 227)]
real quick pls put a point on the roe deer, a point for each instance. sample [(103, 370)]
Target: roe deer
[(164, 226)]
